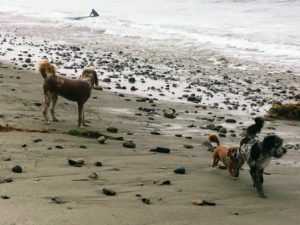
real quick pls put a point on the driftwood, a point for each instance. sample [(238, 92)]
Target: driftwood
[(285, 111)]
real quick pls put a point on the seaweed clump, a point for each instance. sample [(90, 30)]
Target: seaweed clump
[(285, 111)]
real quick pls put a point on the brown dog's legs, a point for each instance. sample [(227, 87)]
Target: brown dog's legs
[(54, 101), (47, 105), (80, 114), (216, 158)]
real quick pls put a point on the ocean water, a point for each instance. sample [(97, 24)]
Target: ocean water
[(258, 30)]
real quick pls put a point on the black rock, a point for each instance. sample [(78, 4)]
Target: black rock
[(8, 179), (230, 121), (98, 163), (131, 80), (180, 170), (129, 144), (57, 200), (166, 182), (208, 203), (76, 162), (160, 150), (17, 169), (146, 201), (5, 197), (112, 129), (109, 192), (37, 140), (188, 146)]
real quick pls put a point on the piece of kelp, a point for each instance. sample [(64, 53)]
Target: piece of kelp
[(91, 134), (285, 111)]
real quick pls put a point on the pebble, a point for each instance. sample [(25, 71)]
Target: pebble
[(166, 182), (146, 201), (188, 146), (112, 129), (76, 162), (180, 170), (170, 113), (129, 144), (57, 200), (5, 197), (93, 176), (17, 169), (108, 192), (98, 163), (160, 150), (101, 140), (8, 179)]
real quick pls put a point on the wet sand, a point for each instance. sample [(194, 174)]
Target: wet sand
[(135, 173)]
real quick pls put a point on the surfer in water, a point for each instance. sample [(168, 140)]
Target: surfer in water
[(94, 13)]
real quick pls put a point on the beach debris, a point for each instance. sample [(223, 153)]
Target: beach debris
[(93, 176), (57, 200), (98, 164), (188, 146), (5, 197), (180, 170), (285, 111), (76, 162), (112, 129), (146, 201), (101, 140), (108, 192), (91, 134), (166, 182), (229, 120), (8, 128), (204, 203), (37, 140), (17, 169), (170, 113), (129, 144), (160, 150)]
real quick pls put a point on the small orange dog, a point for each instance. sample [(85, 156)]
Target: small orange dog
[(225, 154)]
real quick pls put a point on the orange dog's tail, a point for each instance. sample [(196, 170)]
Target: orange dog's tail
[(45, 68), (214, 139)]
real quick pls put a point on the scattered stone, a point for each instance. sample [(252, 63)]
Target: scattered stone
[(93, 176), (112, 129), (129, 144), (180, 170), (108, 192), (82, 146), (160, 150), (17, 169), (59, 147), (57, 200), (37, 140), (37, 104), (188, 146), (76, 162), (155, 132), (170, 113), (178, 135), (131, 80), (230, 121), (8, 180), (208, 203), (146, 201), (101, 140), (5, 197), (166, 182), (98, 163)]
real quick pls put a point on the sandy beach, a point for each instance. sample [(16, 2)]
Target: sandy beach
[(217, 69), (134, 174)]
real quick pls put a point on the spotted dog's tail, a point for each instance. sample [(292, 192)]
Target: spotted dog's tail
[(45, 68)]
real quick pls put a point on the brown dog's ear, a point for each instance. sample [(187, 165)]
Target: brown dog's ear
[(232, 151), (95, 79)]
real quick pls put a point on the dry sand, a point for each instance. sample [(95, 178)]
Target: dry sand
[(131, 172)]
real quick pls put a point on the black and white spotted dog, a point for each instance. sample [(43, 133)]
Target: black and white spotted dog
[(258, 154)]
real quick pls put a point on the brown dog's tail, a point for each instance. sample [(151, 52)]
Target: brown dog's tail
[(90, 74), (45, 68), (214, 139)]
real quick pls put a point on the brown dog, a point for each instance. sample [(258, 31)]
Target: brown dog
[(225, 154), (74, 90)]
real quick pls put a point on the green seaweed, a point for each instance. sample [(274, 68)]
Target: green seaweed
[(92, 134), (285, 111)]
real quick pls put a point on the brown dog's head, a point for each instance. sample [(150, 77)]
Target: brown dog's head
[(90, 75), (232, 155)]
